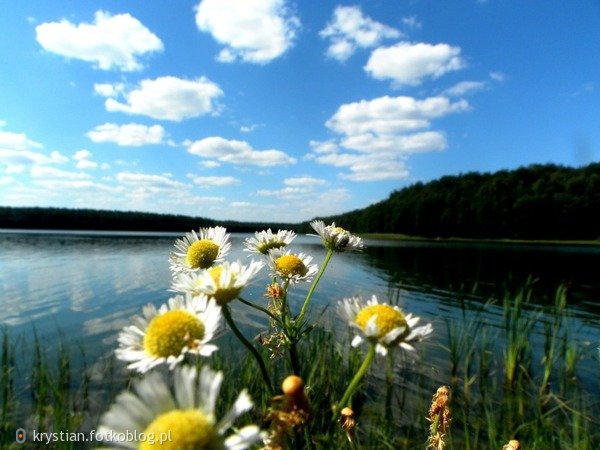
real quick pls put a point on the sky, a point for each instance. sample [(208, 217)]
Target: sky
[(281, 111)]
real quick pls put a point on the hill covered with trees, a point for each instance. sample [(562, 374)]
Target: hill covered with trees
[(534, 202)]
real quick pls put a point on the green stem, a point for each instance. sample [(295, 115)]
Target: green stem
[(259, 308), (314, 285), (249, 346), (362, 370)]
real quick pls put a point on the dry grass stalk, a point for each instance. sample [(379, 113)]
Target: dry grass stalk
[(439, 416)]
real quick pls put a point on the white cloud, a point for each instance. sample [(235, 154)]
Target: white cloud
[(304, 181), (465, 87), (109, 90), (255, 31), (412, 22), (166, 98), (391, 115), (214, 181), (16, 149), (284, 193), (110, 42), (6, 180), (83, 159), (376, 136), (72, 187), (82, 154), (409, 63), (131, 134), (150, 182), (52, 172), (349, 29), (16, 141), (403, 144), (210, 164), (238, 152), (497, 76)]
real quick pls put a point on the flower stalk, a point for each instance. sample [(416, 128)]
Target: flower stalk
[(249, 346), (353, 386)]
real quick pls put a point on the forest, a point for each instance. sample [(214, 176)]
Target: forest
[(534, 202), (91, 219)]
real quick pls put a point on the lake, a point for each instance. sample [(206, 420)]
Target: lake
[(81, 288)]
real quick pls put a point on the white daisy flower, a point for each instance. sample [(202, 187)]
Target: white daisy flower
[(264, 241), (186, 325), (183, 418), (383, 324), (336, 238), (200, 250), (291, 267), (223, 282)]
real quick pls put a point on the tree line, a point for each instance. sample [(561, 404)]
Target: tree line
[(92, 219), (535, 202)]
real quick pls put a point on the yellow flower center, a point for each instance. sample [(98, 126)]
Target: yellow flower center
[(182, 429), (387, 319), (222, 295), (266, 246), (290, 265), (339, 230), (202, 254), (168, 333)]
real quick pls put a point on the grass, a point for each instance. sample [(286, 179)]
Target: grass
[(406, 237), (505, 385)]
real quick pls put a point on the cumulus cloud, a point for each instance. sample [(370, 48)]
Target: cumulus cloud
[(254, 31), (376, 136), (17, 150), (409, 63), (83, 159), (349, 29), (238, 152), (17, 141), (391, 115), (110, 42), (166, 98), (131, 134), (214, 181)]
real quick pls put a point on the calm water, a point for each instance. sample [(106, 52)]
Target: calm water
[(82, 288)]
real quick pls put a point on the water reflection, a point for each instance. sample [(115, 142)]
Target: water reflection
[(88, 286)]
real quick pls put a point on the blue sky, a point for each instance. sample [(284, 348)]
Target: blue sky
[(273, 110)]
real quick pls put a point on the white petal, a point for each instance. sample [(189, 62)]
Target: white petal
[(244, 438), (241, 405)]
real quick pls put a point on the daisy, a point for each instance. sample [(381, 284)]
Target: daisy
[(264, 241), (183, 419), (383, 324), (336, 238), (291, 267), (186, 325), (200, 250), (223, 282)]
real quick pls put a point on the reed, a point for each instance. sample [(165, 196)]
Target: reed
[(506, 386)]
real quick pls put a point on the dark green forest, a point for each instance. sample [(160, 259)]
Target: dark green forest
[(91, 219), (534, 202)]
